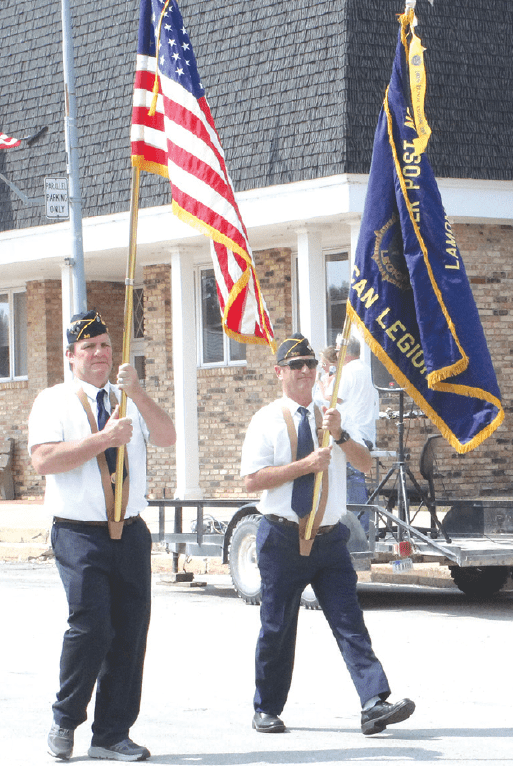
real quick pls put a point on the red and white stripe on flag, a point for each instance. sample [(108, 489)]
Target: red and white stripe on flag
[(8, 142), (180, 142)]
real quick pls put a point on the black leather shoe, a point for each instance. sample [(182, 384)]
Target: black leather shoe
[(60, 742), (268, 724), (383, 714)]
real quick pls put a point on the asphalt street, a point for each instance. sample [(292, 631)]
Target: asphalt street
[(452, 657)]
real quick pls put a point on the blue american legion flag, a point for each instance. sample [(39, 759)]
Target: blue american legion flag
[(173, 134), (409, 292)]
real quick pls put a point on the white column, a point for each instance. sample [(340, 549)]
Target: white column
[(67, 310), (311, 287), (185, 376), (354, 226)]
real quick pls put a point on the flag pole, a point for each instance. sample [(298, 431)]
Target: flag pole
[(71, 140), (127, 326), (346, 333)]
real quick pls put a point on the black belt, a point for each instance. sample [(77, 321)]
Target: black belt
[(288, 523), (59, 520)]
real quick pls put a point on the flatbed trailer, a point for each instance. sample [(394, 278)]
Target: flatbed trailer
[(474, 539)]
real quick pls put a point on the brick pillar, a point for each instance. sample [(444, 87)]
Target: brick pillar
[(159, 370)]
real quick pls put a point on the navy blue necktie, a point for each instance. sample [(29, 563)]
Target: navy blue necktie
[(111, 453), (303, 486)]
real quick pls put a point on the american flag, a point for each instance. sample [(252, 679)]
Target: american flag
[(7, 142), (177, 139)]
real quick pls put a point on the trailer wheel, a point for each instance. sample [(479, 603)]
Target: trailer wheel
[(309, 599), (479, 582), (242, 559)]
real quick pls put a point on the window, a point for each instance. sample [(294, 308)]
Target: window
[(336, 268), (13, 334), (138, 346), (215, 347), (337, 291)]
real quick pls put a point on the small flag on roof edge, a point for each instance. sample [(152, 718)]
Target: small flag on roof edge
[(8, 142)]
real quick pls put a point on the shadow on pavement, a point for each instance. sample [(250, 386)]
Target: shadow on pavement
[(300, 756), (378, 596)]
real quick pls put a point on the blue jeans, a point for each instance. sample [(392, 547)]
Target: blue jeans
[(357, 493)]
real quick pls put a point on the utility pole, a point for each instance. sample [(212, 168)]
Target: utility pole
[(75, 202)]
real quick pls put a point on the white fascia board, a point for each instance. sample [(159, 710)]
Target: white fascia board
[(35, 243), (467, 200), (155, 224), (99, 233), (303, 202)]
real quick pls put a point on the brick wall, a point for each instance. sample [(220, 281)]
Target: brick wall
[(45, 364), (487, 252), (44, 352), (159, 371), (13, 420)]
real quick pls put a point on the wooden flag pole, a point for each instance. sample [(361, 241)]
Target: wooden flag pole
[(127, 327), (346, 333)]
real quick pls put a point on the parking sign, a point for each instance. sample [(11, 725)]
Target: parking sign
[(56, 198)]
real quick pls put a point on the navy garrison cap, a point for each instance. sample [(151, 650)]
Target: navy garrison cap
[(87, 325), (296, 345)]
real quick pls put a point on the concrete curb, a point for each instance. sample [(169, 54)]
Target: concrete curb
[(427, 575)]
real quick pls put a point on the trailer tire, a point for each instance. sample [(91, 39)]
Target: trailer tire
[(479, 582), (309, 599), (242, 559)]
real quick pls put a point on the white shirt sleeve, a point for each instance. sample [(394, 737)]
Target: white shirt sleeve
[(52, 408), (266, 443)]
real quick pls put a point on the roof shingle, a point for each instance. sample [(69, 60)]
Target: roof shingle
[(295, 89)]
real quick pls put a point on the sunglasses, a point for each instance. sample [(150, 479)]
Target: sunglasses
[(297, 364)]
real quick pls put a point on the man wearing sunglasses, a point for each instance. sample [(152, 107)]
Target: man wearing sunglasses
[(280, 456)]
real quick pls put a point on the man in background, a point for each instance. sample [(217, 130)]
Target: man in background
[(358, 396)]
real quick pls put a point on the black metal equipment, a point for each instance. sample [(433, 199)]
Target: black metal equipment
[(401, 468)]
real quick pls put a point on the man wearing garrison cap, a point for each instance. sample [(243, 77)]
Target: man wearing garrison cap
[(280, 456), (74, 433)]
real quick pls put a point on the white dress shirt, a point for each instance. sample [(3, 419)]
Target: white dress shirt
[(359, 397), (267, 443), (57, 415)]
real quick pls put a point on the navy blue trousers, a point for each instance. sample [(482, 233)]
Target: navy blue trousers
[(357, 493), (285, 574), (108, 587)]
